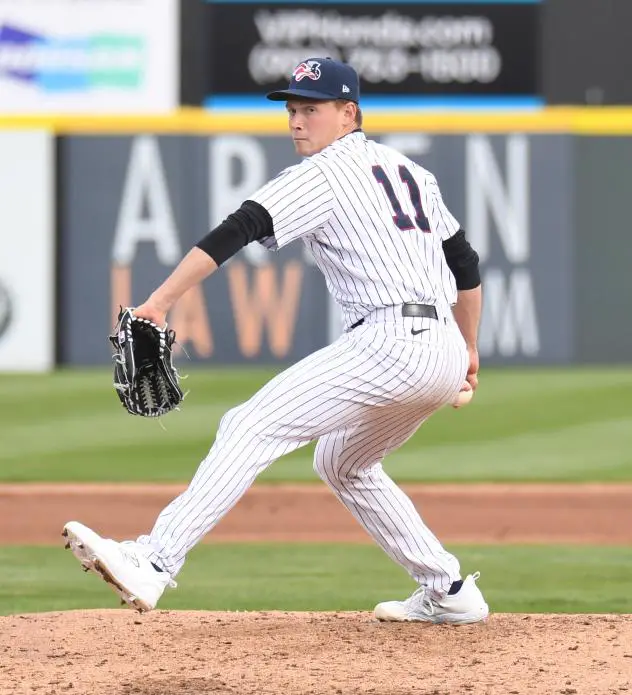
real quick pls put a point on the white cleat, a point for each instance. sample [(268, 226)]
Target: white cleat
[(466, 606), (121, 565)]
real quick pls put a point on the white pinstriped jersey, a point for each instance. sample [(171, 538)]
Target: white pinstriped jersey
[(374, 221)]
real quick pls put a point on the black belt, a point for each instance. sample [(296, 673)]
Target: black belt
[(410, 309)]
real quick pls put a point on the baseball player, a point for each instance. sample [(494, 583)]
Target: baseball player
[(408, 284)]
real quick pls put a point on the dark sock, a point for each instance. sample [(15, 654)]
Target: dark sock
[(455, 587), (158, 569)]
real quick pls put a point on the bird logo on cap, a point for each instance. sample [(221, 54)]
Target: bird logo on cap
[(310, 68)]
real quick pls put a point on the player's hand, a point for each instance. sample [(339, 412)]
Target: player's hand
[(152, 313), (472, 370)]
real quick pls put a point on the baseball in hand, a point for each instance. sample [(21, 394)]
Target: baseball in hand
[(464, 396)]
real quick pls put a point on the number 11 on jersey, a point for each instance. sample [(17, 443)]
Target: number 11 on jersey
[(401, 219)]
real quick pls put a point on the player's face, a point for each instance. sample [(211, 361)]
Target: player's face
[(316, 124)]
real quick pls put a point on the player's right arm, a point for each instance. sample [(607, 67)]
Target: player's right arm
[(462, 260), (467, 313)]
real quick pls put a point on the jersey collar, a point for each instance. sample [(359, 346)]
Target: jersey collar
[(354, 132), (354, 136)]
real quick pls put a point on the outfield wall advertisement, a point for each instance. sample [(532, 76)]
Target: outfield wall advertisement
[(26, 251), (82, 56), (405, 52), (126, 223)]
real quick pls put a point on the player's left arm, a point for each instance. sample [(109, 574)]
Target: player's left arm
[(294, 203), (299, 202), (250, 222)]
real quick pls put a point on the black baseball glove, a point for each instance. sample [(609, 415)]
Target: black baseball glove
[(144, 377)]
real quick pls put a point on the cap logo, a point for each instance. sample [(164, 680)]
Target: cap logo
[(310, 68), (345, 89)]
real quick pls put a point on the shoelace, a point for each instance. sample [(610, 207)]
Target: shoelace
[(420, 595), (133, 556)]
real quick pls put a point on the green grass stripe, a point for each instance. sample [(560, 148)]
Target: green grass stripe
[(523, 579), (524, 424)]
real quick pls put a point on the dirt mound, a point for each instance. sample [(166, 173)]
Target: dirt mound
[(272, 653), (195, 653)]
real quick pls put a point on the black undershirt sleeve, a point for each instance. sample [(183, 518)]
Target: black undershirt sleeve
[(462, 261), (250, 223)]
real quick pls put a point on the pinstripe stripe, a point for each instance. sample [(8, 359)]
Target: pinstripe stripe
[(378, 503), (363, 396), (334, 203), (394, 384)]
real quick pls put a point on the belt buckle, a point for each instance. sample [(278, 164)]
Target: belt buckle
[(419, 310)]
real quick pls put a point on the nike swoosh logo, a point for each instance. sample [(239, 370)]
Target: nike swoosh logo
[(421, 330)]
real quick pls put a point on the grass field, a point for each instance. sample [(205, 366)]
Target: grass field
[(524, 425), (522, 579)]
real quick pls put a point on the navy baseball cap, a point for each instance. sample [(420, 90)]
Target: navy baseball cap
[(323, 79)]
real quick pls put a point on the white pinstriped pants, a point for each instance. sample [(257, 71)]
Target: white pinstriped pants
[(362, 397)]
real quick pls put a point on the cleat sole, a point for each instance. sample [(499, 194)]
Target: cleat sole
[(90, 563)]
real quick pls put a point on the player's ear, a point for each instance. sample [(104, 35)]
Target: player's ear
[(350, 109)]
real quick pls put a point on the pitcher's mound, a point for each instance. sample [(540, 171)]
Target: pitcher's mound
[(275, 653)]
